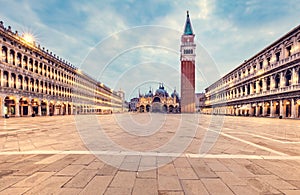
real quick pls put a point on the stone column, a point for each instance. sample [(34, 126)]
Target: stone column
[(1, 78), (17, 108), (293, 108), (272, 82), (246, 91), (264, 82), (263, 109), (29, 109), (48, 109), (282, 80), (39, 110), (256, 110), (271, 109), (257, 86), (9, 79), (251, 112), (71, 109), (251, 88), (21, 111), (294, 77), (67, 108), (281, 108)]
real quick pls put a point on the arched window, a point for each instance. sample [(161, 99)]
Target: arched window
[(31, 64), (288, 78), (20, 82), (4, 54), (6, 80), (12, 57), (268, 82), (277, 81), (25, 61), (19, 60), (13, 80)]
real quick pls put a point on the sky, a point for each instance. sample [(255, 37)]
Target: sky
[(134, 45)]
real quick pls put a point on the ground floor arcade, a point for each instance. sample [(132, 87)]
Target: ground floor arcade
[(19, 106), (285, 108)]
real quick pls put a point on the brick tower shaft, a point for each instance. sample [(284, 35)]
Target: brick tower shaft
[(187, 58)]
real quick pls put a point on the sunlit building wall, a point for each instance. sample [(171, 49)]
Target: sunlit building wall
[(36, 81)]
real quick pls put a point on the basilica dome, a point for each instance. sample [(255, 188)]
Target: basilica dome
[(161, 91)]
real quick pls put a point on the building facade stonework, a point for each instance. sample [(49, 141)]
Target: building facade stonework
[(36, 81), (160, 101), (187, 59), (268, 84)]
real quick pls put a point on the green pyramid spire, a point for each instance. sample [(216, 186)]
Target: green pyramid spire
[(188, 26)]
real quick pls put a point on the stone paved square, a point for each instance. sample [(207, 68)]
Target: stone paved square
[(49, 155)]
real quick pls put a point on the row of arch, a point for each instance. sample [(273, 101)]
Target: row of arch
[(278, 80), (25, 106), (156, 107), (17, 81), (265, 60), (286, 108), (30, 64)]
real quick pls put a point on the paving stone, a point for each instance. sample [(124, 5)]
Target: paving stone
[(277, 182), (165, 192), (244, 189), (216, 165), (148, 161), (237, 169), (97, 185), (107, 170), (216, 186), (60, 164), (34, 179), (118, 191), (262, 187), (71, 170), (168, 183), (51, 159), (193, 187), (149, 174), (68, 191), (50, 186), (145, 186), (7, 181), (291, 192), (167, 170), (95, 165), (14, 191), (181, 162), (231, 179), (81, 179), (29, 169), (123, 179), (186, 173), (84, 160)]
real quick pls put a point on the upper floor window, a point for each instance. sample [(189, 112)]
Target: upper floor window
[(288, 50), (269, 60), (277, 56), (260, 64)]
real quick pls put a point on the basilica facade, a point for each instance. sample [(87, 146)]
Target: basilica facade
[(35, 81), (268, 84), (160, 101)]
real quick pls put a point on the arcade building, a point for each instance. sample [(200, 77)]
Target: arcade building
[(267, 84), (35, 81)]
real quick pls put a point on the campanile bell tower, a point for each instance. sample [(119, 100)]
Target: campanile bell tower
[(187, 58)]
